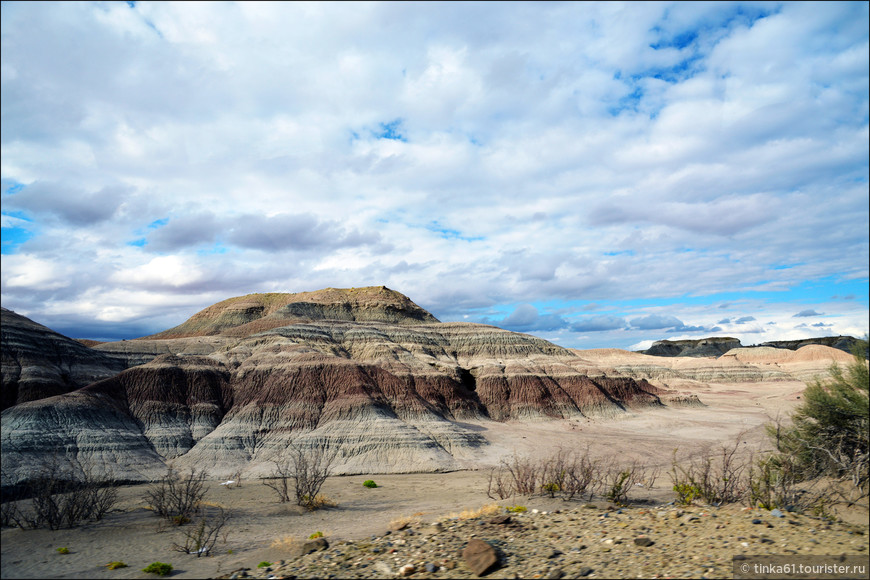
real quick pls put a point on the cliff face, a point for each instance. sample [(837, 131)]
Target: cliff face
[(394, 394), (704, 347), (38, 362)]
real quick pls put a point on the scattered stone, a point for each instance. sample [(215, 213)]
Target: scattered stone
[(643, 542), (479, 556), (756, 521), (407, 570), (585, 571), (500, 520), (315, 545), (556, 573), (430, 567), (777, 513), (383, 568)]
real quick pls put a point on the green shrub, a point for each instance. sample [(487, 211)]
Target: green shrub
[(158, 568), (370, 483), (686, 493), (829, 431), (264, 564), (515, 509), (315, 535), (115, 565), (63, 550), (551, 489)]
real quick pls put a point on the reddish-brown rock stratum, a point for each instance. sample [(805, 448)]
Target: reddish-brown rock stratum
[(252, 313)]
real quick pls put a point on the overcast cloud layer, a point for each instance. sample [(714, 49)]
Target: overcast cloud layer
[(601, 175)]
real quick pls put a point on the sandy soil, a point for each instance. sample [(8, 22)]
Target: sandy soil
[(132, 534)]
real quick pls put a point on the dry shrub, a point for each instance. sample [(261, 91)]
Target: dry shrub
[(490, 509), (62, 493), (201, 537), (308, 469), (566, 473), (176, 497), (716, 478), (285, 543)]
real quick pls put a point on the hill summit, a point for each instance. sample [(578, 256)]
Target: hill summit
[(245, 315)]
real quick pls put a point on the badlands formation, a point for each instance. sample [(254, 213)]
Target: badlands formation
[(364, 372)]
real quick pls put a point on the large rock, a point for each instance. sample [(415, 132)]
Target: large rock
[(480, 557)]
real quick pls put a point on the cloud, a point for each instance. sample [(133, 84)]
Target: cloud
[(598, 324), (655, 322), (658, 158), (744, 319), (526, 317), (806, 313)]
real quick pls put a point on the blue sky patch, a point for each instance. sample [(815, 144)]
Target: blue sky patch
[(391, 130), (450, 233)]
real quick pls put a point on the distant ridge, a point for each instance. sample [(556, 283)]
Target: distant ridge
[(245, 315), (718, 345)]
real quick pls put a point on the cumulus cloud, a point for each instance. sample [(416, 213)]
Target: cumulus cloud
[(644, 158), (656, 321), (526, 317)]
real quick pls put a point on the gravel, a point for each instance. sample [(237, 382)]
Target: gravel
[(592, 541)]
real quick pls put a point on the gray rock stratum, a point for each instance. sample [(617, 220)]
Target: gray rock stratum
[(38, 362), (364, 373)]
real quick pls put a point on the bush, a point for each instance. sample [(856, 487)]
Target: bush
[(515, 509), (158, 568), (308, 468), (115, 565), (201, 538), (177, 497), (829, 431), (369, 483), (63, 492), (717, 479), (264, 564), (315, 535), (567, 473), (63, 550)]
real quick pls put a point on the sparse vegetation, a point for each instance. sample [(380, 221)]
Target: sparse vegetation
[(715, 479), (308, 470), (369, 483), (177, 497), (830, 431), (516, 509), (201, 538), (62, 493), (158, 568), (115, 565), (315, 535), (63, 550), (264, 564)]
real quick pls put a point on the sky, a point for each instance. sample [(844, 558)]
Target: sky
[(601, 175)]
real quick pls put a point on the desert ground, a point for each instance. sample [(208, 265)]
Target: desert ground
[(261, 527)]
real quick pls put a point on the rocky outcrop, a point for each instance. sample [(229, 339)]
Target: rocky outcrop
[(705, 347), (844, 343), (717, 346), (246, 315), (38, 363)]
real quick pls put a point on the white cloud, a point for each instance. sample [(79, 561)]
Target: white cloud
[(550, 153)]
